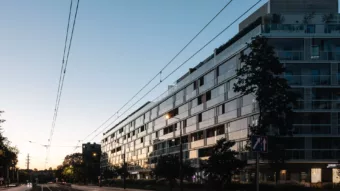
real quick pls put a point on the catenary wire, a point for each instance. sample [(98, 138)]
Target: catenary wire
[(62, 81), (238, 18), (159, 73)]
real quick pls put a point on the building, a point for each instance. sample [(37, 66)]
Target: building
[(92, 160), (306, 37)]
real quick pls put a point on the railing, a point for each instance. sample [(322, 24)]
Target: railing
[(308, 79), (318, 104), (169, 150), (327, 55), (314, 104), (290, 55), (312, 129), (302, 28)]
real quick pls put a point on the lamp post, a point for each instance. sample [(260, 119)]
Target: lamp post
[(168, 116)]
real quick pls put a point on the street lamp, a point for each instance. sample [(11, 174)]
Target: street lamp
[(94, 154), (169, 116)]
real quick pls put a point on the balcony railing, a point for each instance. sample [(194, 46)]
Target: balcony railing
[(308, 79), (302, 28), (169, 150), (318, 104), (290, 55), (311, 129)]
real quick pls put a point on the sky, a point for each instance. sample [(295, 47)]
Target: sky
[(118, 46)]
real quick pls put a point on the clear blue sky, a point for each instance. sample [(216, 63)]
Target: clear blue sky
[(117, 47)]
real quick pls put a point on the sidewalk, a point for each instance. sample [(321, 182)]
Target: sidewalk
[(97, 188)]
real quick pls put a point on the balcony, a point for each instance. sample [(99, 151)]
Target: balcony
[(290, 55), (319, 129), (214, 139), (206, 123), (302, 29), (310, 80), (318, 105), (198, 143)]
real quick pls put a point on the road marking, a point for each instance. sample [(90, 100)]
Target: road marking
[(48, 188)]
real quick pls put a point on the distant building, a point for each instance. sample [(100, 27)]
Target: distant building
[(91, 157)]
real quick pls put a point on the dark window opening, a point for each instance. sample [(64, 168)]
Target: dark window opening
[(220, 130), (128, 135), (200, 117), (199, 100), (208, 95), (195, 85), (201, 80), (184, 123), (133, 133), (142, 128), (142, 139)]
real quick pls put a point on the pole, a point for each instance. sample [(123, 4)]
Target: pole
[(180, 158), (124, 170), (257, 171)]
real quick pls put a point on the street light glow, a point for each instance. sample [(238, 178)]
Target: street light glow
[(167, 116), (94, 154)]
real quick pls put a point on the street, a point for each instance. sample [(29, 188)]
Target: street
[(96, 188), (19, 188)]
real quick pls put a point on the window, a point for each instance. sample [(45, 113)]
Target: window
[(199, 100), (156, 134), (201, 81), (113, 135), (128, 135), (220, 130), (200, 117), (184, 123), (165, 131), (142, 139), (133, 133), (142, 128), (195, 85), (208, 95), (221, 109), (124, 137), (197, 136), (211, 132), (315, 52), (121, 130)]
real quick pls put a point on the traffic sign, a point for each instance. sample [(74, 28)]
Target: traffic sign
[(259, 144)]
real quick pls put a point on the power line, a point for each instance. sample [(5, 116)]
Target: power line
[(199, 50), (159, 73), (62, 73)]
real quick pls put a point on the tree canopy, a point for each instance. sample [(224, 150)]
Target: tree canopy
[(261, 75), (222, 164), (168, 168), (8, 153)]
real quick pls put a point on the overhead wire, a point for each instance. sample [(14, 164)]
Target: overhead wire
[(63, 73), (199, 50), (160, 72)]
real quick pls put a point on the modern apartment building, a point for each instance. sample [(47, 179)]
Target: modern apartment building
[(306, 37)]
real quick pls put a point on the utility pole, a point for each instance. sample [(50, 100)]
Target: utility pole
[(28, 162), (28, 167), (124, 170)]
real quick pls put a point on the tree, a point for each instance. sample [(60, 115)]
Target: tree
[(168, 168), (222, 164), (73, 168), (261, 75), (8, 153)]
